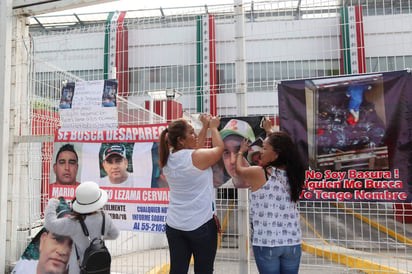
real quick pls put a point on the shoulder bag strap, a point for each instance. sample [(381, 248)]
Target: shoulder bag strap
[(102, 224), (84, 227), (77, 255), (86, 233)]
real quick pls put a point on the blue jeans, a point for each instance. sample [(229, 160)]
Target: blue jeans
[(278, 260), (356, 96), (201, 242)]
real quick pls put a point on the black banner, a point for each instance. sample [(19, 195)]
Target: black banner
[(354, 134)]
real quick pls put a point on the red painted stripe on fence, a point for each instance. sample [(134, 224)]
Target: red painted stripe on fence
[(122, 56), (360, 39)]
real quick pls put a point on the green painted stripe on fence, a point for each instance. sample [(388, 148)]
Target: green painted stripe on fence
[(345, 41), (106, 45)]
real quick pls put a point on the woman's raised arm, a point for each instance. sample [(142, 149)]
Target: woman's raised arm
[(252, 175), (206, 157)]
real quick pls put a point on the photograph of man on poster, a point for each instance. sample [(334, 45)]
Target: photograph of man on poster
[(66, 166), (115, 163), (253, 155), (54, 253), (110, 164), (47, 253), (233, 132)]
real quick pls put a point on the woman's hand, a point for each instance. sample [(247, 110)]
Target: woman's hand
[(205, 119), (244, 146), (54, 202), (214, 122), (267, 125), (205, 158)]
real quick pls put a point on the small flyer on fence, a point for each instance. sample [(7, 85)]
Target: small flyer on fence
[(90, 105)]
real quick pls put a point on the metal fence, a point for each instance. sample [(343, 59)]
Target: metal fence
[(282, 41)]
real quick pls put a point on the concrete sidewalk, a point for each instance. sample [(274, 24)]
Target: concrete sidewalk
[(225, 263), (365, 245)]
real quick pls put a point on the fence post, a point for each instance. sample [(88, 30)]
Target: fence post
[(5, 75), (241, 95)]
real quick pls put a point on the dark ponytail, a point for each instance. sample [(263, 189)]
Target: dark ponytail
[(163, 148), (168, 139)]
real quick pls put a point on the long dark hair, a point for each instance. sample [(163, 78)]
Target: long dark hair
[(168, 138), (288, 156), (77, 216)]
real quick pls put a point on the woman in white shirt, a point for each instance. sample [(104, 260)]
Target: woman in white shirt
[(191, 228)]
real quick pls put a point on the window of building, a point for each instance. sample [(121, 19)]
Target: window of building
[(182, 78), (388, 63)]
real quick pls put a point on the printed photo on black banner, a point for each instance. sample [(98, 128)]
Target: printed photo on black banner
[(353, 132), (233, 131)]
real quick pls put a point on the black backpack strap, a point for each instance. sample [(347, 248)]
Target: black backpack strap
[(84, 227), (77, 255), (86, 232), (102, 224)]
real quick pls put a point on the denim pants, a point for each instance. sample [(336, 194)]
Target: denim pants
[(201, 242), (278, 260)]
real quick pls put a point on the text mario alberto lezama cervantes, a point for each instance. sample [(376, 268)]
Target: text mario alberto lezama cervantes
[(124, 134), (124, 195), (139, 195)]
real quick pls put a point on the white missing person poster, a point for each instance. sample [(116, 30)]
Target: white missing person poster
[(89, 105)]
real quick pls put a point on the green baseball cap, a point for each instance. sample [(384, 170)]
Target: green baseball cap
[(238, 127)]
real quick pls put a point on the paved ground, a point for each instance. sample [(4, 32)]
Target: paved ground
[(137, 263), (340, 240)]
